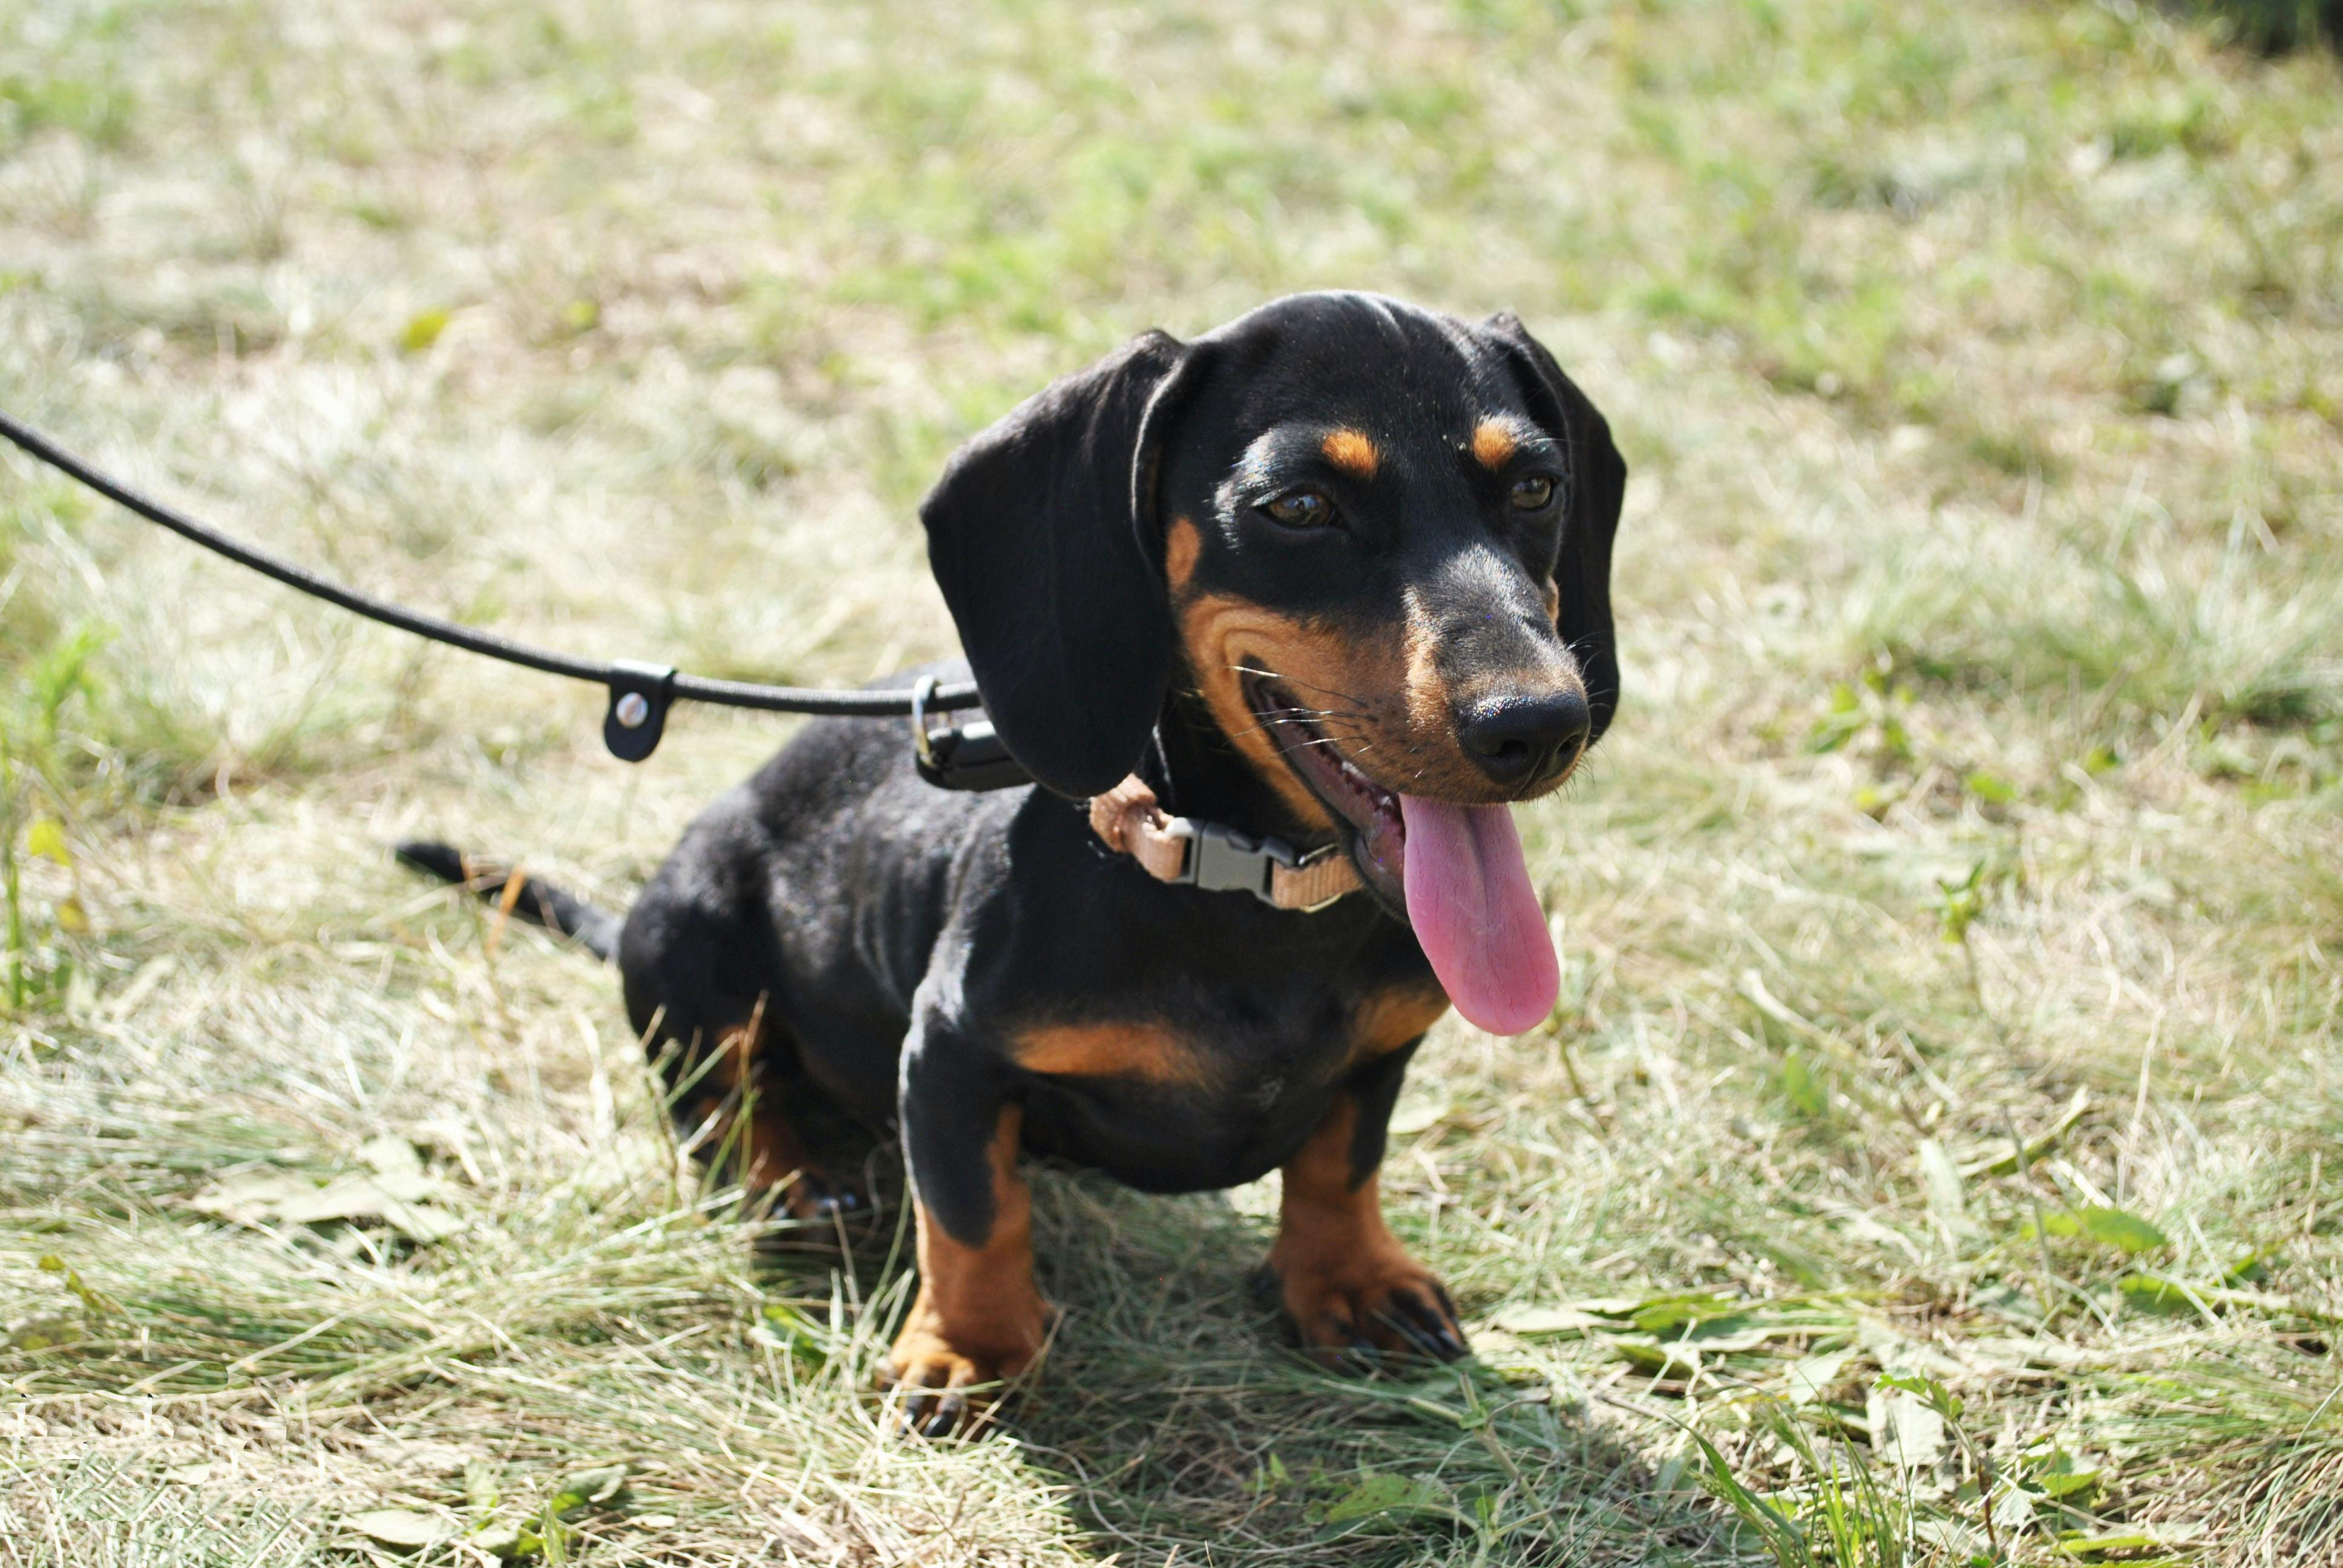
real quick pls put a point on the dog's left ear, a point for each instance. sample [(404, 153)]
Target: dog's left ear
[(1598, 484), (1043, 536)]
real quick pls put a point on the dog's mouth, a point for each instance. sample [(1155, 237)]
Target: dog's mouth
[(1451, 870), (1374, 833)]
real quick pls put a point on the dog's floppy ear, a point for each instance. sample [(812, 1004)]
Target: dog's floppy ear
[(1042, 535), (1598, 484)]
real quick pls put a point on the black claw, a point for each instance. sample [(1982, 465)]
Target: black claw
[(946, 1417), (1426, 1329)]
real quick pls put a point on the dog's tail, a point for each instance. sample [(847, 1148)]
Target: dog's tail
[(538, 902)]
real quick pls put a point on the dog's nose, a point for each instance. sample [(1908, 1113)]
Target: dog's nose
[(1521, 741)]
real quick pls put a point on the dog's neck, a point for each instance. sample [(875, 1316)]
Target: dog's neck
[(1197, 771)]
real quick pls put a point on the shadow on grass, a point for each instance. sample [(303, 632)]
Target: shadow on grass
[(1180, 1426)]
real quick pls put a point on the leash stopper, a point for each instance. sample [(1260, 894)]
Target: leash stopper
[(640, 695)]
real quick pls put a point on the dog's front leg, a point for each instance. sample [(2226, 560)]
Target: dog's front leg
[(1351, 1291), (979, 1319)]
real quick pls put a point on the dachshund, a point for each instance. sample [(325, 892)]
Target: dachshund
[(1280, 621)]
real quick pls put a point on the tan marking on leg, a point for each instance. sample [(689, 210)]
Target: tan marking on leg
[(1343, 1276), (1146, 1051), (979, 1317), (1181, 546), (1353, 451), (1494, 441), (765, 1148), (1392, 1018)]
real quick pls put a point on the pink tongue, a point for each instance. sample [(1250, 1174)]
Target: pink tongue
[(1469, 899)]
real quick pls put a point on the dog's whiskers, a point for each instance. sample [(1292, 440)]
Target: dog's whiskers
[(1294, 680)]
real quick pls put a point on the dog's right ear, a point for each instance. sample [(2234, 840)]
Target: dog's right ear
[(1043, 534)]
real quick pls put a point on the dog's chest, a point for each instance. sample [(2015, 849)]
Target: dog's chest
[(1231, 1045), (1211, 1096)]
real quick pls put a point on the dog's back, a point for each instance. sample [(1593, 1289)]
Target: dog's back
[(810, 899)]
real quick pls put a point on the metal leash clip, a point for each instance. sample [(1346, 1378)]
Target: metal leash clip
[(969, 755)]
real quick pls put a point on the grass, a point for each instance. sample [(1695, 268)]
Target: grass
[(1934, 1158)]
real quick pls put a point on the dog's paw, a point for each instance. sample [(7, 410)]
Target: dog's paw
[(937, 1386), (815, 1196), (1357, 1313)]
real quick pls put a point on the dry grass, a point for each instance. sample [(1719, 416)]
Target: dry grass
[(1982, 589)]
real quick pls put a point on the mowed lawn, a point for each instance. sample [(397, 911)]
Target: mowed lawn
[(1934, 1159)]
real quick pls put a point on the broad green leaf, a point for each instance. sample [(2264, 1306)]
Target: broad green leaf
[(406, 1527), (1380, 1491), (1803, 1088), (1905, 1431), (52, 1264), (1659, 1314), (2147, 1294), (1990, 788), (2062, 1475), (2251, 1270), (1931, 1393), (1653, 1359), (46, 840), (423, 331), (2121, 1230), (389, 1154), (42, 1331), (1942, 1179), (509, 1542), (2095, 1545), (593, 1488), (1550, 1321), (274, 1197), (1812, 1377)]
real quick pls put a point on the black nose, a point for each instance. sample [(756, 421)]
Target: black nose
[(1521, 743)]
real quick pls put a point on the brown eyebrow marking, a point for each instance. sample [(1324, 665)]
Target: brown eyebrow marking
[(1352, 451), (1493, 443)]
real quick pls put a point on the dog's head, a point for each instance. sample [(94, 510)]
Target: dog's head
[(1374, 539)]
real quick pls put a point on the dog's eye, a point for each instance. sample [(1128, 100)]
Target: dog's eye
[(1300, 509), (1533, 494)]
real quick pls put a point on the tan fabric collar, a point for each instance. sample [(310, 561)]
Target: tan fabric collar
[(1128, 820)]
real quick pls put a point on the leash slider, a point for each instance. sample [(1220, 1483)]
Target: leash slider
[(969, 754), (640, 695)]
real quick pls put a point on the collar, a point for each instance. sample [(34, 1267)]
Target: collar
[(1217, 858)]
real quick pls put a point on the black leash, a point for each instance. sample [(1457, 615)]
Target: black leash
[(639, 693)]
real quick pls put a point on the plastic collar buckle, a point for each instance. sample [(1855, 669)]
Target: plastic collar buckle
[(1223, 860)]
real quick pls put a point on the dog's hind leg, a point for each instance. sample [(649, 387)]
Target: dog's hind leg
[(703, 997), (729, 1086)]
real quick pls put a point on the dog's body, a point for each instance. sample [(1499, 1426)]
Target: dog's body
[(1337, 572)]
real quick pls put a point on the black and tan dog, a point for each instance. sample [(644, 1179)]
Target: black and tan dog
[(1337, 573)]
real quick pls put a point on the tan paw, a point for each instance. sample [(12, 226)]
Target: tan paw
[(940, 1384), (1358, 1313)]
